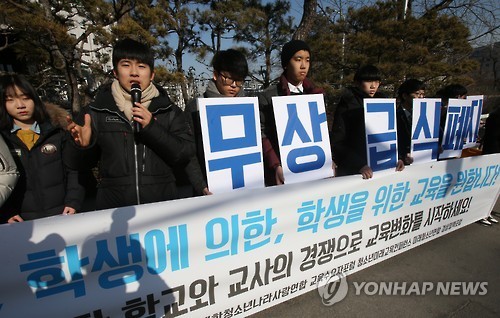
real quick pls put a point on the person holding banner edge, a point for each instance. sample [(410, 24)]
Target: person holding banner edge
[(230, 68), (135, 166), (295, 60), (491, 145), (8, 172), (450, 91), (410, 89), (348, 133)]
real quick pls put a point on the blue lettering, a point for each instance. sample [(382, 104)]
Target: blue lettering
[(215, 113), (316, 120), (422, 123), (306, 166), (156, 251), (293, 124), (236, 165), (428, 146), (381, 160), (383, 107)]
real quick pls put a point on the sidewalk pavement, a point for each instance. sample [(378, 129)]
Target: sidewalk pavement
[(470, 254)]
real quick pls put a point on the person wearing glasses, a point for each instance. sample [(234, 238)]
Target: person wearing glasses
[(410, 89), (230, 68), (295, 60)]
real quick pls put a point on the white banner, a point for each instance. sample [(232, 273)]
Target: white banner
[(232, 143), (381, 133), (234, 253), (303, 137), (425, 130)]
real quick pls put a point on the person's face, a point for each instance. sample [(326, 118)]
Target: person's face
[(369, 87), (408, 98), (418, 94), (226, 84), (130, 72), (298, 67), (20, 107)]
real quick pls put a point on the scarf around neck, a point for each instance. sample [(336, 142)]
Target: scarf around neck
[(123, 99)]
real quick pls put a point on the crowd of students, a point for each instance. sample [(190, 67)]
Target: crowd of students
[(151, 151)]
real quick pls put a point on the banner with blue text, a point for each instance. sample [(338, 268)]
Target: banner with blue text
[(234, 254)]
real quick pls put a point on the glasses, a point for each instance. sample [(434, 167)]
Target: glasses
[(226, 80)]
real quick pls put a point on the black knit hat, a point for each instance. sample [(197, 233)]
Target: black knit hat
[(290, 48)]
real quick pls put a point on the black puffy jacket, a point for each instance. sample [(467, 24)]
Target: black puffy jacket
[(348, 135), (46, 185), (136, 168)]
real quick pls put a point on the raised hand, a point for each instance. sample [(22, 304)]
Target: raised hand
[(81, 134)]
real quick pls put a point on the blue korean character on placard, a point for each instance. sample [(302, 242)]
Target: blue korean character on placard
[(381, 141), (295, 126), (456, 130), (232, 143), (426, 134)]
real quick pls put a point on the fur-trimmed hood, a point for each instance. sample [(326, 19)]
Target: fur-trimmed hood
[(57, 115)]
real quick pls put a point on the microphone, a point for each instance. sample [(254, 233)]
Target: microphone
[(136, 93)]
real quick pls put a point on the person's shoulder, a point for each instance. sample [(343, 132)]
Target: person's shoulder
[(162, 100), (347, 95), (57, 115), (380, 95), (103, 96), (268, 93), (270, 89), (191, 106)]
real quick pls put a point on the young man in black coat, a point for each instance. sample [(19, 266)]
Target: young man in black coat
[(348, 135), (410, 89), (135, 165)]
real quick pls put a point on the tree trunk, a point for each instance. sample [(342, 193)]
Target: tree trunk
[(74, 97), (307, 20), (178, 60)]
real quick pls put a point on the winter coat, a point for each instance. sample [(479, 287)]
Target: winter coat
[(8, 172), (404, 133), (135, 168), (348, 135), (270, 144), (46, 184), (491, 139)]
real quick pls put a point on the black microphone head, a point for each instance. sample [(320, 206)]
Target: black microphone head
[(136, 92), (135, 87)]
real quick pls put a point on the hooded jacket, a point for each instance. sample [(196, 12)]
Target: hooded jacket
[(46, 184), (135, 168)]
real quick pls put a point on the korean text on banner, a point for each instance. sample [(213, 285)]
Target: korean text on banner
[(234, 253)]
